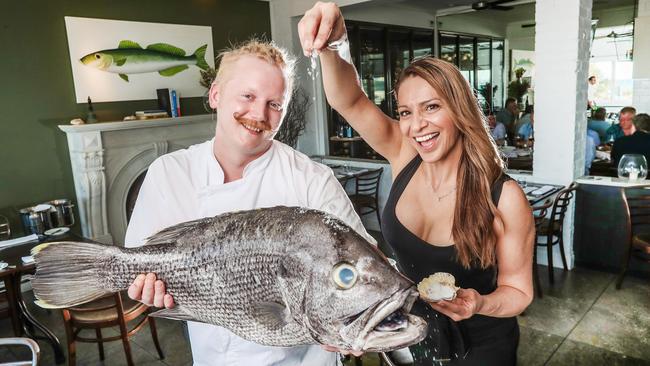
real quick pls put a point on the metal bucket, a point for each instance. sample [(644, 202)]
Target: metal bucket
[(36, 219), (61, 212)]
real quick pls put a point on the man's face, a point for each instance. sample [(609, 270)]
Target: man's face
[(492, 120), (248, 101), (513, 108), (625, 120), (593, 81)]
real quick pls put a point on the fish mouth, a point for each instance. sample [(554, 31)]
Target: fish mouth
[(386, 325)]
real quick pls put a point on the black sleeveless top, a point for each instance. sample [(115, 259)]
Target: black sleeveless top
[(418, 259)]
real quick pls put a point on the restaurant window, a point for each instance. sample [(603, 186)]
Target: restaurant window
[(380, 53), (611, 63), (480, 61)]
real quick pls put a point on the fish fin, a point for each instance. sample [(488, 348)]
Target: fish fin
[(173, 70), (119, 61), (67, 273), (124, 77), (271, 314), (166, 48), (200, 57), (129, 44), (172, 234), (175, 313)]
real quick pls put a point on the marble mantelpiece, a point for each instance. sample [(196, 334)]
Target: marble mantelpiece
[(108, 157)]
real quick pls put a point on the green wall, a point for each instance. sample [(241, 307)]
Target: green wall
[(37, 91)]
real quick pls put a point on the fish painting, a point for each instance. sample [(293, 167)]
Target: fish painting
[(279, 276), (130, 58)]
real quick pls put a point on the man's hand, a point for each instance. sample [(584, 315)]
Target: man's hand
[(320, 25), (151, 292)]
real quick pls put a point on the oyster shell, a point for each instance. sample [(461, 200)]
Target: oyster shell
[(438, 286)]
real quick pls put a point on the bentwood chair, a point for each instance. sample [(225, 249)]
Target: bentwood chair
[(552, 228), (34, 349), (637, 207), (110, 311), (539, 214), (366, 194)]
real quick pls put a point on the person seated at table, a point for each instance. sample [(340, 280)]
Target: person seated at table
[(625, 127), (591, 142), (637, 143), (497, 129), (526, 124), (599, 123), (508, 115)]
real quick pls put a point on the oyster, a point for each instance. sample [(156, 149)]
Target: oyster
[(438, 286)]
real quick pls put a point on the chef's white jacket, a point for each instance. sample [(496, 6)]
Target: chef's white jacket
[(189, 184)]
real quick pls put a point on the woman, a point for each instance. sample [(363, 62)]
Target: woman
[(451, 207)]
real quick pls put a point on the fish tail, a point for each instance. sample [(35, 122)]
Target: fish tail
[(68, 273), (200, 57)]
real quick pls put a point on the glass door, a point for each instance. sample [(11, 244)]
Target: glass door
[(484, 74)]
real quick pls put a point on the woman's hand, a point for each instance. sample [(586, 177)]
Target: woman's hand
[(464, 306), (151, 292), (342, 351), (321, 24)]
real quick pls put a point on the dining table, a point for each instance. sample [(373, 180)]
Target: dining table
[(538, 192), (20, 265), (345, 173)]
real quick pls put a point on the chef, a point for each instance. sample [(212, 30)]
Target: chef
[(241, 168)]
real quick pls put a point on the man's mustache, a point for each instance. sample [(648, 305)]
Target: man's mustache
[(262, 125)]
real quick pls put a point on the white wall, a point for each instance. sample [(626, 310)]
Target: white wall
[(464, 23), (389, 14), (641, 68)]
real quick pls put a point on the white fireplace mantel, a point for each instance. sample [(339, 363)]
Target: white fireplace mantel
[(108, 157)]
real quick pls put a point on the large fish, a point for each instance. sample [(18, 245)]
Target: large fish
[(130, 58), (280, 276)]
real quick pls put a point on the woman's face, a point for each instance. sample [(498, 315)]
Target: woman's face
[(425, 120)]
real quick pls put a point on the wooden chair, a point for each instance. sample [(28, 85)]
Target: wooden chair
[(27, 342), (366, 193), (109, 311), (539, 214), (637, 207), (551, 228)]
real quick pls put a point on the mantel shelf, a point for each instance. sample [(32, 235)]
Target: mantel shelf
[(135, 124)]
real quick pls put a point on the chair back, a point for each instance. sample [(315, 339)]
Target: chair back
[(29, 343), (540, 212), (561, 205), (637, 208), (368, 183)]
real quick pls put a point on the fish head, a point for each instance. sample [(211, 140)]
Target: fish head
[(98, 60), (353, 298)]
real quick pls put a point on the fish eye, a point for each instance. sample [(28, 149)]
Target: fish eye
[(344, 275), (97, 56)]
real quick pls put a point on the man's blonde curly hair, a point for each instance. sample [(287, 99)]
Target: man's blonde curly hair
[(267, 51)]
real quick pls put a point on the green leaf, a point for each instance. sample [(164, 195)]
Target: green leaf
[(173, 70)]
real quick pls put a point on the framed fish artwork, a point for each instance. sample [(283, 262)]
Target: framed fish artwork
[(117, 60)]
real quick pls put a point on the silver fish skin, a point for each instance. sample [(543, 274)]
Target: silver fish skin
[(268, 275)]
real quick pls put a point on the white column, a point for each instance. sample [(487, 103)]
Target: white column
[(641, 70), (561, 65)]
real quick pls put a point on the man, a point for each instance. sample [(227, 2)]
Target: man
[(241, 168), (526, 125), (497, 129), (625, 127), (508, 115), (599, 123), (636, 143)]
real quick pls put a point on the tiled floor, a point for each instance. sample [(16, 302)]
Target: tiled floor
[(581, 320)]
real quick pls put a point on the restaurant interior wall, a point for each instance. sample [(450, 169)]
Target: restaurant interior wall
[(37, 93), (641, 67)]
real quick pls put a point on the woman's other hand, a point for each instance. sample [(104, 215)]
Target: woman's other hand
[(321, 24), (150, 291), (464, 306)]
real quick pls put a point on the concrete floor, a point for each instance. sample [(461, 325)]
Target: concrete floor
[(581, 320)]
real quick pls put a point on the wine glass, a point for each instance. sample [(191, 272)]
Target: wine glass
[(633, 167)]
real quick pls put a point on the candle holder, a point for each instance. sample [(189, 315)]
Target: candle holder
[(633, 167)]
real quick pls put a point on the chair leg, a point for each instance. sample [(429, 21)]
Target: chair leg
[(378, 218), (549, 252), (154, 336), (538, 286), (100, 343), (566, 268), (125, 342), (69, 332)]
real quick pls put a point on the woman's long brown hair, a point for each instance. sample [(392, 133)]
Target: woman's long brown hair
[(480, 164)]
